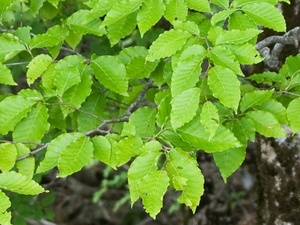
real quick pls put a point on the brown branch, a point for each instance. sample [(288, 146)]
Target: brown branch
[(34, 152)]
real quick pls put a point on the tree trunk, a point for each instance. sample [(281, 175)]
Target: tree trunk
[(278, 180)]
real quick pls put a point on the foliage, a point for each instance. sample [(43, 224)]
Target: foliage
[(103, 80)]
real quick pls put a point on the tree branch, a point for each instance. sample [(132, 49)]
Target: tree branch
[(34, 152), (271, 60)]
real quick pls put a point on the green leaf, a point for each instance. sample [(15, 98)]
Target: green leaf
[(50, 38), (136, 172), (237, 37), (10, 46), (176, 141), (266, 124), (163, 101), (222, 56), (25, 166), (35, 6), (225, 86), (188, 26), (240, 3), (229, 161), (245, 53), (187, 70), (266, 14), (292, 111), (103, 151), (31, 94), (167, 44), (149, 14), (198, 5), (74, 156), (195, 134), (152, 188), (8, 155), (222, 3), (184, 107), (276, 108), (255, 98), (77, 94), (37, 67), (122, 28), (209, 117), (33, 127), (221, 16), (66, 78), (176, 10), (241, 21), (244, 130), (6, 76), (127, 54), (5, 204), (182, 167), (120, 10), (12, 110), (94, 104), (111, 73), (18, 183), (54, 150), (144, 121), (139, 68)]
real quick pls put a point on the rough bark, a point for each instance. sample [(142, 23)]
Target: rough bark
[(278, 180)]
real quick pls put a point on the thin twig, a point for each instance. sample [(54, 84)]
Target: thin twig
[(32, 153)]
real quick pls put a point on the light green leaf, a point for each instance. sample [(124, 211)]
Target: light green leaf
[(95, 104), (52, 37), (37, 67), (183, 167), (293, 110), (35, 6), (12, 110), (245, 53), (127, 54), (25, 166), (149, 14), (267, 15), (195, 134), (221, 16), (176, 141), (122, 28), (74, 156), (120, 10), (167, 44), (10, 46), (5, 204), (31, 94), (111, 73), (33, 127), (6, 76), (222, 56), (240, 3), (266, 124), (18, 183), (229, 161), (144, 121), (139, 68), (240, 21), (66, 78), (77, 94), (209, 117), (152, 188), (176, 10), (8, 155), (225, 86), (188, 26), (198, 5), (237, 37), (276, 108), (187, 70), (184, 107), (136, 172), (255, 98), (163, 101), (222, 3), (102, 150), (54, 150)]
